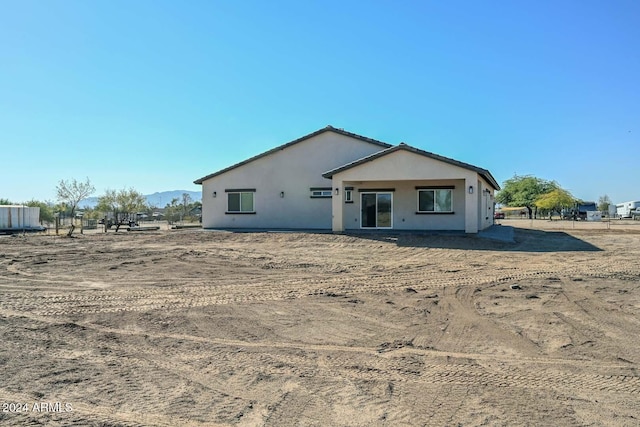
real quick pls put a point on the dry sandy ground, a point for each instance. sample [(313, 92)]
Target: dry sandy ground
[(197, 328)]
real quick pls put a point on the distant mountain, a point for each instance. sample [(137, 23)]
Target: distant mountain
[(158, 199), (89, 202)]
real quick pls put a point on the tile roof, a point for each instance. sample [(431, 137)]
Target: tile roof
[(402, 146), (328, 128)]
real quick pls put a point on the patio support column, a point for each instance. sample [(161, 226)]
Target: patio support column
[(471, 204), (337, 223)]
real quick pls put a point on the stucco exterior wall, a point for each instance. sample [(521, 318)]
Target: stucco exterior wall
[(402, 169), (405, 205), (486, 203), (293, 170)]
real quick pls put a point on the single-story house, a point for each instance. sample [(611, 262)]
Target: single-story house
[(336, 180)]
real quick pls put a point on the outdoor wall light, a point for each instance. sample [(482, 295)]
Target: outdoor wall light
[(337, 191), (215, 194), (471, 189), (282, 194)]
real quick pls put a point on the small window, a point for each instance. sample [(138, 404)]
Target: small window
[(317, 193), (348, 196), (436, 200), (240, 202)]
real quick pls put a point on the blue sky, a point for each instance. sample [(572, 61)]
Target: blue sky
[(155, 94)]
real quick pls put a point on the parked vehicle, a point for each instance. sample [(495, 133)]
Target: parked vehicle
[(579, 211), (498, 215), (623, 210)]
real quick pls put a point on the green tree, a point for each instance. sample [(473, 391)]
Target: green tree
[(555, 201), (524, 191), (122, 204), (5, 202), (71, 193), (92, 213), (603, 203)]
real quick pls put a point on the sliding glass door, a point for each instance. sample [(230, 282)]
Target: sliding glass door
[(376, 210)]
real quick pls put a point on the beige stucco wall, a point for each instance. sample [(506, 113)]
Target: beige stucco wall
[(293, 170), (404, 170), (405, 205), (485, 202)]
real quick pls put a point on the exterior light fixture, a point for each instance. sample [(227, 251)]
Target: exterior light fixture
[(337, 191), (471, 189), (282, 194), (215, 194)]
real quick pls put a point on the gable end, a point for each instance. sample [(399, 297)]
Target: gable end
[(328, 128), (402, 146)]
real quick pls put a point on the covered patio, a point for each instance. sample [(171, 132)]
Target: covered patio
[(404, 188)]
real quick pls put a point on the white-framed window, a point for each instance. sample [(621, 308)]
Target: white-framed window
[(435, 200), (348, 195), (320, 192), (240, 201)]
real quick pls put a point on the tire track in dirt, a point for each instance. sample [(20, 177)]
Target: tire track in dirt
[(457, 312), (445, 405), (594, 318), (135, 380), (179, 297), (321, 378), (544, 376), (290, 290)]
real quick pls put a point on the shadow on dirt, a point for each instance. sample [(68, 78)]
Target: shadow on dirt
[(524, 241), (518, 239)]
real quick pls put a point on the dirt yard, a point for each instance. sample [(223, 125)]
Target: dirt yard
[(200, 328)]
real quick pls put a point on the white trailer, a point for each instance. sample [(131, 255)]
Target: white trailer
[(15, 218), (594, 216), (623, 210)]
